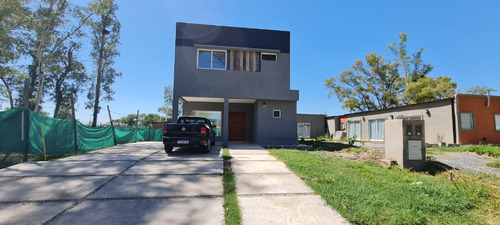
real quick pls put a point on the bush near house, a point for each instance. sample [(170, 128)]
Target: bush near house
[(366, 193), (484, 150)]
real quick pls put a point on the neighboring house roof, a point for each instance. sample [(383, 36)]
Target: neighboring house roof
[(400, 107), (197, 34)]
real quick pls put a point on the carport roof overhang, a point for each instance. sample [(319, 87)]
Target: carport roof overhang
[(217, 100)]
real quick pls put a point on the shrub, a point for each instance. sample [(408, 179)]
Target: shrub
[(352, 140), (484, 149)]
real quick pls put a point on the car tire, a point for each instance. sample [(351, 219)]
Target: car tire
[(168, 149), (206, 149)]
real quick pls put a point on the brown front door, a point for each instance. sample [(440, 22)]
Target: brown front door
[(237, 126)]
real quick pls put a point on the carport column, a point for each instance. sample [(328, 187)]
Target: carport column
[(175, 108), (225, 123)]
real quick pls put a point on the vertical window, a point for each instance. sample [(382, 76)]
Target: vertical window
[(497, 122), (304, 130), (342, 126), (377, 130), (212, 59), (276, 113), (354, 129), (466, 121)]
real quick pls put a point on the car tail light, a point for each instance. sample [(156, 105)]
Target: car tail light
[(203, 131), (164, 130)]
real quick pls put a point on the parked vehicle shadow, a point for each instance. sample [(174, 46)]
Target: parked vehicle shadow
[(192, 151)]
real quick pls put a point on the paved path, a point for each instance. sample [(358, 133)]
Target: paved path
[(126, 184), (268, 193)]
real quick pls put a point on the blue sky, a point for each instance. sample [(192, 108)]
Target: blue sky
[(461, 40)]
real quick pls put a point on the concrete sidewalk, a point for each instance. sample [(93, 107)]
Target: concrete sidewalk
[(268, 193), (127, 184)]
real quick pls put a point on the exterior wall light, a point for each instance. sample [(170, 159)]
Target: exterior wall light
[(264, 105)]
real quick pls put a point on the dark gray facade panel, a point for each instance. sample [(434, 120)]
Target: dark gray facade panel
[(318, 123), (273, 82), (277, 131), (190, 34)]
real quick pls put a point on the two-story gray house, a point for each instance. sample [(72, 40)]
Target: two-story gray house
[(239, 78)]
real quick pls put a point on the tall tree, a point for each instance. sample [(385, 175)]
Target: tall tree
[(428, 89), (479, 90), (13, 17), (129, 120), (167, 101), (53, 24), (383, 83), (66, 75), (147, 119), (105, 40), (367, 87)]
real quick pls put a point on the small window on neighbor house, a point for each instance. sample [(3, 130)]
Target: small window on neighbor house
[(269, 56), (342, 126), (276, 113), (497, 122), (466, 121), (211, 59)]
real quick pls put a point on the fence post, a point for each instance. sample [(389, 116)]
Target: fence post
[(136, 125), (26, 120), (43, 141), (112, 126), (74, 122)]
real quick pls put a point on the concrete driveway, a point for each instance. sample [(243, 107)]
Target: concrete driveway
[(127, 184)]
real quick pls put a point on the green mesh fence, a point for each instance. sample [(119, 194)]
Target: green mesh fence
[(21, 132), (13, 131), (92, 138)]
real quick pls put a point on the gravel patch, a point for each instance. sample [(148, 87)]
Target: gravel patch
[(467, 161)]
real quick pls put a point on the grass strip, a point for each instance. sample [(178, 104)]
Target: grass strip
[(366, 193), (232, 214), (8, 159)]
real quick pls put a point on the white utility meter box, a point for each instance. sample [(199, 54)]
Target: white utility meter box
[(405, 143)]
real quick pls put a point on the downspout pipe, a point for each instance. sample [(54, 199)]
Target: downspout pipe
[(489, 99), (454, 119)]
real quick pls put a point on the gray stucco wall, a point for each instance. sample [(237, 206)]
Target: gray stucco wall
[(276, 131), (270, 85), (332, 124), (439, 121), (273, 82), (317, 123)]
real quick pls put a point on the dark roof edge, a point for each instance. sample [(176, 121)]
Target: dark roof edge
[(399, 107), (307, 114), (471, 95), (213, 25)]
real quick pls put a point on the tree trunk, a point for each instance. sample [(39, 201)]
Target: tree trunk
[(99, 77), (59, 100)]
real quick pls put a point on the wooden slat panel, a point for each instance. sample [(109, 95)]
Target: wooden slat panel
[(240, 55), (231, 60), (247, 59)]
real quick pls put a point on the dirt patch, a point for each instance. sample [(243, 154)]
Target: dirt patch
[(363, 155)]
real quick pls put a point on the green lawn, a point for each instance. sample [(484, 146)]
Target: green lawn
[(366, 193)]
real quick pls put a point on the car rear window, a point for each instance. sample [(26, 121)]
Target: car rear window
[(191, 121)]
